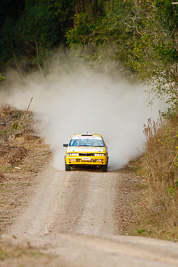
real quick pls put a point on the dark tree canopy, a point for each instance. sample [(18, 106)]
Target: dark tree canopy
[(141, 34)]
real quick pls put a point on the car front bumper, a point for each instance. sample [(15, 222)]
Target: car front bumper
[(86, 160)]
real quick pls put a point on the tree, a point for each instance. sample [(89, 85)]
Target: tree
[(140, 34), (36, 32), (62, 12)]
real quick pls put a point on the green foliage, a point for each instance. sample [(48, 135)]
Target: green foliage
[(141, 230), (82, 31), (167, 14), (29, 28), (176, 183), (62, 12), (2, 78), (10, 11), (171, 191), (16, 126), (104, 29), (140, 35), (7, 40), (36, 29)]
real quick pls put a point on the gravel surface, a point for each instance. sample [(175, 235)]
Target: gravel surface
[(71, 216)]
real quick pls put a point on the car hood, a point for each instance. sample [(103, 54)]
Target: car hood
[(86, 149)]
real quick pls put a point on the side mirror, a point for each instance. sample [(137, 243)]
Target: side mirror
[(65, 145)]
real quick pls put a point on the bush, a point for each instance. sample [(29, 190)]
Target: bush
[(159, 165), (160, 159)]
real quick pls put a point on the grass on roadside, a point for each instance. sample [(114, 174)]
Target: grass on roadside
[(22, 156), (9, 251), (158, 207)]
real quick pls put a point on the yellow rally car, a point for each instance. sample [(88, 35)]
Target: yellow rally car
[(86, 149)]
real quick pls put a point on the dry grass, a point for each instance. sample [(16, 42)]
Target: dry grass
[(24, 255), (22, 156), (160, 160), (158, 166), (16, 254), (1, 176), (14, 123)]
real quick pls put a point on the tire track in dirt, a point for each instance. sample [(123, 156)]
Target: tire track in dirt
[(89, 207), (70, 202), (71, 216)]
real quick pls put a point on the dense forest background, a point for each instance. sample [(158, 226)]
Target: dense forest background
[(141, 35)]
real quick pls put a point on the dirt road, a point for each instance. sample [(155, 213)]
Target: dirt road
[(71, 215), (70, 202)]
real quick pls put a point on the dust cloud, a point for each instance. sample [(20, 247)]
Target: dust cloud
[(77, 98)]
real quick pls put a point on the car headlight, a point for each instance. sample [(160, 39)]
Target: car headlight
[(100, 155), (73, 154)]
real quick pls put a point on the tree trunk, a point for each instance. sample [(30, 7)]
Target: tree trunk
[(17, 66), (39, 66)]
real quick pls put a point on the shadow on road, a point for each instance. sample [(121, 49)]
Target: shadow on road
[(87, 169)]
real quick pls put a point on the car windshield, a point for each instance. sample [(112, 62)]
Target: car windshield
[(87, 142)]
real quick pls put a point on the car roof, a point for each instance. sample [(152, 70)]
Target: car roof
[(86, 134)]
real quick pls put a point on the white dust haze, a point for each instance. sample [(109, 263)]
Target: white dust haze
[(77, 99)]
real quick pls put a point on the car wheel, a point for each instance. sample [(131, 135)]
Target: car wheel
[(104, 168), (67, 167)]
